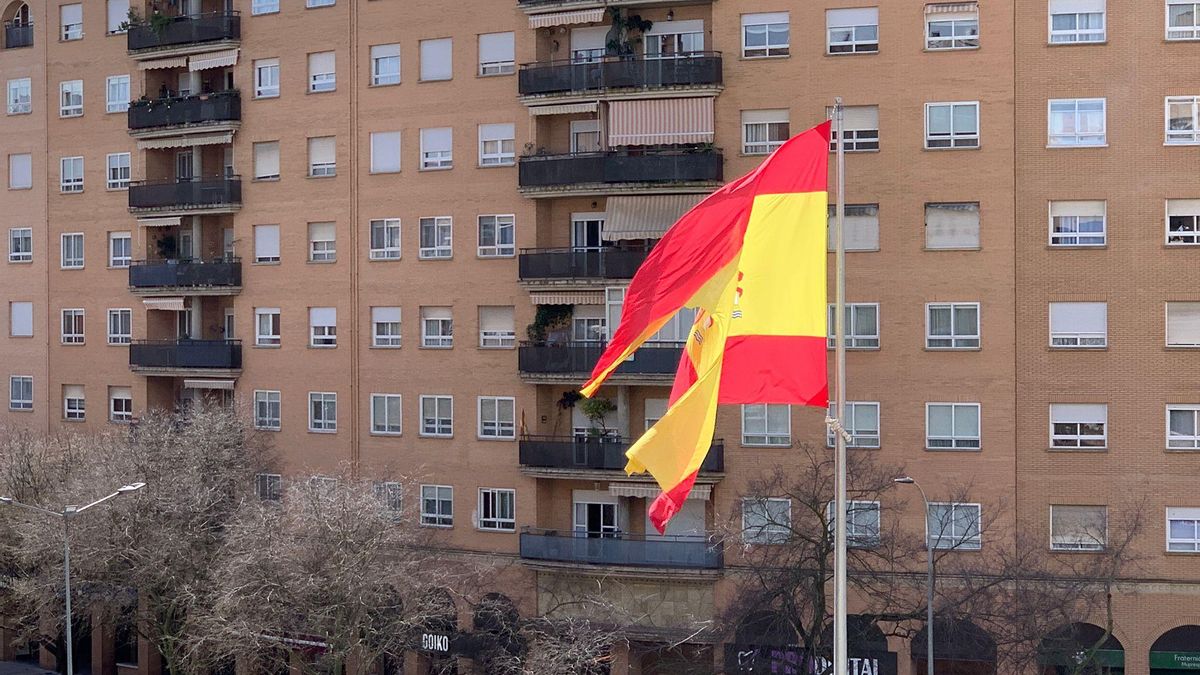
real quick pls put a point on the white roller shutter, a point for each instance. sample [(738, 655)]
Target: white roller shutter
[(21, 319), (1078, 413), (588, 39), (496, 47), (437, 59), (385, 151), (436, 313), (266, 160), (322, 316), (1078, 317), (498, 319), (952, 226), (1076, 6), (322, 150), (118, 13), (437, 140), (385, 314), (266, 241), (1183, 324), (1183, 207), (1077, 208), (859, 16)]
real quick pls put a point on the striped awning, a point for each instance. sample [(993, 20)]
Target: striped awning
[(567, 298), (644, 217), (172, 221), (566, 18), (564, 109), (222, 138), (660, 121), (208, 384), (651, 491), (174, 304), (221, 59), (952, 7), (175, 62)]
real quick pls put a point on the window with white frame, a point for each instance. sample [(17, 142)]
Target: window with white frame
[(1081, 325), (266, 78), (852, 31), (118, 170), (267, 409), (436, 237), (674, 39), (385, 327), (1079, 425), (20, 319), (585, 136), (497, 238), (268, 486), (20, 171), (74, 403), (118, 16), (120, 404), (322, 72), (70, 101), (70, 174), (1183, 20), (437, 505), (437, 59), (264, 7), (497, 54), (1183, 324), (120, 326), (1183, 529), (1183, 222), (266, 160), (497, 510), (72, 251), (497, 417), (860, 323), (952, 225), (766, 34), (862, 525), (952, 125), (497, 145), (385, 239), (766, 520), (1078, 528), (72, 326), (385, 152), (266, 243), (1078, 223), (322, 156), (767, 424), (588, 324), (385, 414), (71, 22), (861, 422), (266, 326), (117, 94), (391, 495), (322, 411), (1077, 21), (20, 96), (860, 227), (951, 26), (1183, 120), (764, 130), (385, 64), (20, 392), (954, 526), (322, 325), (1183, 426), (437, 416), (437, 327), (860, 123), (322, 242), (952, 325), (952, 426), (496, 329), (1076, 122), (20, 244), (437, 148)]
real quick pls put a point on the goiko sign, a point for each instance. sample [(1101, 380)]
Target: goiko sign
[(792, 660)]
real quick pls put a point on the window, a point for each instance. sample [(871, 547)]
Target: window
[(391, 495), (71, 20), (20, 319), (72, 326), (953, 526), (862, 527), (496, 328), (852, 31), (1077, 122), (20, 171), (860, 228), (436, 59), (497, 510), (585, 136), (497, 417), (72, 251), (322, 242), (952, 125), (1076, 21), (385, 64), (1183, 113), (437, 416), (20, 392), (267, 410), (385, 152), (861, 422), (1183, 324), (322, 411), (1078, 528), (951, 26), (861, 125), (268, 486), (266, 78), (385, 414), (322, 324), (436, 234), (1182, 430), (322, 72), (765, 35), (266, 243), (1078, 425), (1183, 20), (861, 325), (117, 96), (497, 238), (20, 244), (385, 326), (1183, 529), (319, 3), (322, 156), (437, 151), (766, 521), (952, 325), (71, 176), (952, 225), (1079, 324), (588, 328), (120, 326), (496, 54), (952, 426), (118, 14), (437, 505), (70, 102), (437, 327), (385, 239), (20, 96), (74, 403), (1183, 222), (763, 131), (118, 171), (266, 160), (767, 424), (1078, 223), (266, 326), (496, 143), (264, 7), (120, 404)]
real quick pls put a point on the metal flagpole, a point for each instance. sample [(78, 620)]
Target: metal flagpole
[(840, 655)]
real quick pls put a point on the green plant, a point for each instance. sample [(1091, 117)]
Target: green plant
[(547, 318), (621, 38), (596, 410)]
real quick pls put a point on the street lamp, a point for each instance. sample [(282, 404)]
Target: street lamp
[(66, 514), (908, 480)]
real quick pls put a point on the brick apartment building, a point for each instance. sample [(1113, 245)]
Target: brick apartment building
[(343, 214)]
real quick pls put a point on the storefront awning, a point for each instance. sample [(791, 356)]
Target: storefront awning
[(645, 217), (176, 62), (566, 18), (221, 59), (567, 298), (651, 491), (563, 109), (171, 221), (660, 121), (172, 304), (208, 384), (186, 141)]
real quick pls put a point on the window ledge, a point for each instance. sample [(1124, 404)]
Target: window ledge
[(322, 431), (829, 53), (1086, 43), (320, 262), (273, 429), (513, 255), (1181, 348), (435, 168), (932, 50), (497, 349), (375, 85), (772, 57), (386, 434), (448, 436), (322, 346), (977, 146), (20, 410), (1068, 247), (494, 530), (954, 349), (271, 179), (323, 91), (1057, 348), (437, 527), (385, 347), (755, 446), (1075, 147), (495, 438), (490, 75), (332, 175), (854, 349), (382, 173), (440, 79), (274, 263), (20, 262), (1181, 553), (73, 421), (965, 248), (1182, 451), (435, 348), (265, 346), (1075, 451), (929, 449), (503, 165), (264, 97), (15, 189), (1190, 144), (1076, 551)]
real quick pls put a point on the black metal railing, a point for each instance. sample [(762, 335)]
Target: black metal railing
[(185, 193), (185, 273), (222, 354), (569, 263), (652, 358), (222, 106), (616, 72), (699, 164), (607, 454), (182, 30), (621, 549), (17, 35)]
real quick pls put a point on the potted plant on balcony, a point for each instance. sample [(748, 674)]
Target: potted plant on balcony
[(621, 39), (547, 323), (597, 410)]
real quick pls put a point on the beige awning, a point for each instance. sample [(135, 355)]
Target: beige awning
[(173, 304), (172, 221), (651, 491), (951, 7), (564, 109), (208, 384), (566, 18), (186, 141), (228, 57), (644, 217), (567, 298), (660, 121), (176, 62)]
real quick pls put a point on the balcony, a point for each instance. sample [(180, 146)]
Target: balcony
[(182, 357), (654, 362), (621, 549), (594, 454), (542, 6), (185, 34), (18, 35), (698, 169), (219, 111), (556, 79), (195, 277), (562, 264), (217, 194)]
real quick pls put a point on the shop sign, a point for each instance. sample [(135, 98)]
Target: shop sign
[(789, 660)]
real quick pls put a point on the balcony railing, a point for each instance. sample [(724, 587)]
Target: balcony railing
[(223, 106), (556, 452), (182, 30), (185, 193), (615, 72), (567, 263), (185, 273), (216, 354), (652, 358), (18, 35), (621, 549), (622, 166)]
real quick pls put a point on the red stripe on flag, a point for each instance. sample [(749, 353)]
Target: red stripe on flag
[(750, 375), (667, 504)]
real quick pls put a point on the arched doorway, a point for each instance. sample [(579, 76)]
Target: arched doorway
[(1082, 649), (767, 642), (1176, 651), (440, 617), (959, 648), (497, 624)]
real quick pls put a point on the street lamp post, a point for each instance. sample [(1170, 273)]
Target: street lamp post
[(69, 512), (907, 480)]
